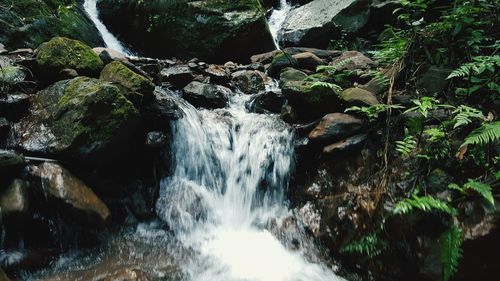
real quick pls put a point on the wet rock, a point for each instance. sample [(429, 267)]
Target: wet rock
[(270, 102), (206, 95), (289, 114), (344, 145), (308, 61), (280, 61), (217, 74), (60, 53), (14, 106), (162, 109), (178, 75), (2, 49), (311, 101), (67, 73), (335, 126), (109, 55), (359, 97), (14, 200), (291, 74), (156, 139), (317, 22), (352, 60), (264, 57), (82, 118), (249, 81), (135, 87), (76, 197)]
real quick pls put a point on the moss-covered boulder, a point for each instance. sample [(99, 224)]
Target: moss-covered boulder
[(83, 118), (212, 30), (28, 23), (63, 53), (310, 99), (281, 61), (136, 87)]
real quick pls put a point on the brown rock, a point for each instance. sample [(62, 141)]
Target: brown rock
[(335, 126), (308, 61), (344, 145), (352, 60), (358, 96)]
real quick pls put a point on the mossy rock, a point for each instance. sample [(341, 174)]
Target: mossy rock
[(28, 23), (309, 100), (281, 61), (83, 118), (63, 53), (136, 87)]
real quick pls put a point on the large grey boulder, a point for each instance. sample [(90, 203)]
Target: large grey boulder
[(319, 21)]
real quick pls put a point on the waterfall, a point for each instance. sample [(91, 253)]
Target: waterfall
[(230, 171), (276, 20), (110, 40)]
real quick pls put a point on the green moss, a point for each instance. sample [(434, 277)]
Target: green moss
[(90, 113), (60, 53), (281, 61), (117, 72)]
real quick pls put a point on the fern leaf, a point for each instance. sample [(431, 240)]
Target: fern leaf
[(425, 204), (466, 115), (488, 133), (482, 189), (451, 242), (336, 88), (370, 245)]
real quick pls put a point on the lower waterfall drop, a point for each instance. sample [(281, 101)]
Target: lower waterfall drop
[(230, 170)]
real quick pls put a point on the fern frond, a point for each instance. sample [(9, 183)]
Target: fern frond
[(479, 65), (336, 88), (466, 115), (334, 68), (406, 146), (370, 245), (424, 203), (451, 242), (487, 133), (482, 189)]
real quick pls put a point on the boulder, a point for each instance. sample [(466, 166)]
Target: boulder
[(319, 21), (108, 55), (211, 30), (163, 108), (359, 97), (309, 100), (4, 128), (308, 61), (334, 127), (28, 23), (433, 79), (217, 74), (344, 145), (82, 118), (14, 106), (156, 139), (61, 53), (352, 60), (249, 81), (74, 195), (281, 61), (136, 88), (177, 75), (269, 102), (291, 74), (206, 95)]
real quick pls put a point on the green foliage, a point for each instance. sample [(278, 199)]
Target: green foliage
[(451, 252), (465, 115), (481, 74), (482, 189), (336, 88), (487, 133), (426, 104), (394, 44), (370, 245), (423, 203), (406, 146), (334, 68), (435, 134), (373, 112)]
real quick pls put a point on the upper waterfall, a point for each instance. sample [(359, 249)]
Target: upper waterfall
[(110, 40), (276, 20)]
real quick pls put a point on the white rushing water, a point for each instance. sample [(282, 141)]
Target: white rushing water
[(276, 20), (230, 170), (109, 39)]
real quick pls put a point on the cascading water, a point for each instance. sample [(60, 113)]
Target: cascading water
[(276, 20), (109, 39), (230, 169)]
